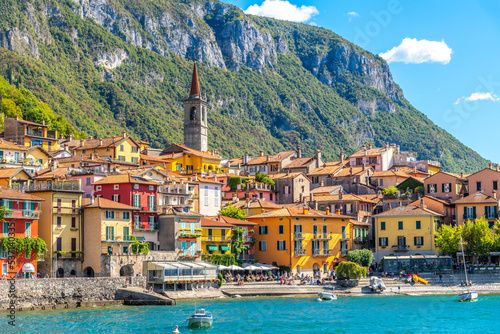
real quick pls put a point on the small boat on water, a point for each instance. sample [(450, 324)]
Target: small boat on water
[(323, 295), (466, 295), (200, 319)]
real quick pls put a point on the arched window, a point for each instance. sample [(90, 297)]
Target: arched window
[(203, 109), (192, 114)]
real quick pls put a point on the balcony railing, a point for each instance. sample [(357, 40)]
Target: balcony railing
[(213, 238), (467, 216), (145, 226), (300, 252), (360, 240), (321, 236), (249, 239), (55, 186), (322, 252), (189, 235), (23, 213), (298, 235), (491, 215), (66, 210), (400, 248), (247, 257)]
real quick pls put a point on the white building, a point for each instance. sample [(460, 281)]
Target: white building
[(210, 197)]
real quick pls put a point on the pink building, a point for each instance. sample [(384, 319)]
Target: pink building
[(87, 181), (380, 159)]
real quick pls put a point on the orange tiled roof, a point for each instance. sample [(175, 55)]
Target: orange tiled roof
[(258, 203), (7, 145), (103, 203), (300, 162), (351, 171), (296, 212), (324, 189), (123, 178), (371, 152), (7, 193), (215, 223), (328, 168), (52, 174), (477, 197), (92, 143), (409, 210), (7, 173), (234, 221), (291, 175), (345, 197), (186, 150), (270, 158)]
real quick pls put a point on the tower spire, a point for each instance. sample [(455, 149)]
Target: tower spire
[(195, 85)]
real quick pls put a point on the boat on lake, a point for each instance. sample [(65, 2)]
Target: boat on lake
[(199, 319), (323, 295), (466, 295)]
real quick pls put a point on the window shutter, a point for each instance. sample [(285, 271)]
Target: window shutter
[(449, 187), (422, 239), (474, 212), (428, 188), (380, 241), (442, 187), (112, 233), (279, 245), (107, 232), (415, 240)]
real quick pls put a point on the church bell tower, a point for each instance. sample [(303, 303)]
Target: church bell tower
[(195, 117)]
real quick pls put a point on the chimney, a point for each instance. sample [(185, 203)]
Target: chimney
[(245, 159), (306, 210), (100, 142), (494, 194), (261, 153), (461, 175), (490, 165), (350, 171), (321, 183), (16, 118), (370, 146), (398, 149), (311, 197), (287, 172), (43, 121), (81, 142), (342, 156), (70, 137), (496, 167), (299, 152), (327, 209), (235, 198), (124, 133), (422, 204), (364, 147), (317, 156), (262, 210), (386, 145), (92, 199), (341, 195)]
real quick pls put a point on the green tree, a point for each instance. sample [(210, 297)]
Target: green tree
[(233, 182), (447, 239), (363, 257), (233, 212), (350, 271), (390, 191), (479, 238), (238, 241), (263, 178)]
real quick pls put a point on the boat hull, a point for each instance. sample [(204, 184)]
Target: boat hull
[(200, 322), (326, 296), (468, 296)]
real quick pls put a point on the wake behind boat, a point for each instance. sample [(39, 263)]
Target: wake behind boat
[(200, 319)]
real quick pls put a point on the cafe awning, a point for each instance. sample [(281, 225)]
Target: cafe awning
[(212, 247), (224, 248)]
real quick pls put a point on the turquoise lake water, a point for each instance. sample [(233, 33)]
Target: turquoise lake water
[(374, 314)]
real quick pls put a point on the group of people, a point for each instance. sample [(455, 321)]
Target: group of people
[(466, 283)]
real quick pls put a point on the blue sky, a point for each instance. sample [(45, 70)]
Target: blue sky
[(446, 57)]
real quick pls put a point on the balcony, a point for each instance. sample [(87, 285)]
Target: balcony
[(491, 215), (344, 252), (66, 210), (361, 240), (469, 216), (55, 186), (322, 252), (247, 257), (145, 226), (249, 239), (188, 235), (298, 236), (400, 248), (35, 214), (300, 252), (321, 236), (69, 255), (213, 238)]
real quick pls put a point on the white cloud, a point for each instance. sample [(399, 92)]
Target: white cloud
[(416, 52), (351, 15), (479, 96), (283, 10)]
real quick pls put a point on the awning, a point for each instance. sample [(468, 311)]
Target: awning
[(224, 248), (140, 238), (28, 268), (212, 247)]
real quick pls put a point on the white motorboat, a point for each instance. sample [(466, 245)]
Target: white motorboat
[(466, 295), (326, 296), (377, 284), (200, 319)]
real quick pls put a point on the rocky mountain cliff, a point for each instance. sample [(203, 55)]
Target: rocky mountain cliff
[(107, 64)]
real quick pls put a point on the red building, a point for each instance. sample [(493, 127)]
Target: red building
[(22, 217), (137, 192)]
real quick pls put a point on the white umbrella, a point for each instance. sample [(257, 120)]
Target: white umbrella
[(221, 267), (253, 268), (234, 267)]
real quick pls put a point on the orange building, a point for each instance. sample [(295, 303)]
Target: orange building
[(20, 222), (304, 240)]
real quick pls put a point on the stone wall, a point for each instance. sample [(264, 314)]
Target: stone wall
[(71, 291), (132, 264)]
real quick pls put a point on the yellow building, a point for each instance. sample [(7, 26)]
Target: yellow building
[(215, 237), (59, 225), (188, 161), (304, 240), (475, 206), (406, 230), (107, 230), (122, 148)]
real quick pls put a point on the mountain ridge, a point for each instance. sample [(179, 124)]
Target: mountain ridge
[(271, 84)]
